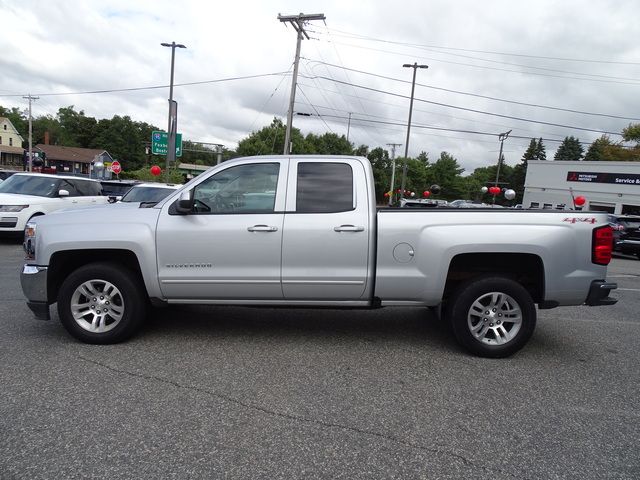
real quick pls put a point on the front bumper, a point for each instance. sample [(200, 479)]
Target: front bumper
[(34, 286), (599, 293)]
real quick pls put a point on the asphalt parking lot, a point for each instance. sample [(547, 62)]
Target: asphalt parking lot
[(221, 392)]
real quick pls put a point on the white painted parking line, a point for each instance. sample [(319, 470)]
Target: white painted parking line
[(629, 289), (623, 275)]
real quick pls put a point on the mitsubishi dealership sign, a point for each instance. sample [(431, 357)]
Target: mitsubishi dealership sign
[(604, 177)]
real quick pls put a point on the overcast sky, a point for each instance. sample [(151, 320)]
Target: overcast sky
[(581, 56)]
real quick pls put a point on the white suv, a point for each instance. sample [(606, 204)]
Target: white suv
[(25, 195)]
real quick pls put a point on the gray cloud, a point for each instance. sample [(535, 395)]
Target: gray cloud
[(79, 46)]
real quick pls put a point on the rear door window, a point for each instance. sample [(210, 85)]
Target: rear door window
[(324, 187)]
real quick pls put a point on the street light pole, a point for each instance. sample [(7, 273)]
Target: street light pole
[(415, 67), (173, 112)]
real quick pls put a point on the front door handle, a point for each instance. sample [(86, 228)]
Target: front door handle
[(348, 228), (262, 228)]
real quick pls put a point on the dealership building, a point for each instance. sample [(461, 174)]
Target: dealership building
[(612, 187)]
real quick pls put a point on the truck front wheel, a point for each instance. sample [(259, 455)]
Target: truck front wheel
[(101, 303), (492, 316)]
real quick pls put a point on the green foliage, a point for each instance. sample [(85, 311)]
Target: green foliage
[(603, 149), (535, 151), (269, 140), (144, 174), (327, 144), (632, 133), (570, 149), (445, 172)]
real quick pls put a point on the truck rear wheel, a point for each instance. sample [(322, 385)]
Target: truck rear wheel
[(492, 316), (101, 303)]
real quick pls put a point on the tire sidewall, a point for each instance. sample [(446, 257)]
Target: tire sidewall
[(469, 293), (129, 287)]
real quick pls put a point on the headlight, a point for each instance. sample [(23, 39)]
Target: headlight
[(29, 244), (12, 208)]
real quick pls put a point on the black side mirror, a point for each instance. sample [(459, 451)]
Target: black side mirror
[(184, 205)]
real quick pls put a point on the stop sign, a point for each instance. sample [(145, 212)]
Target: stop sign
[(115, 167)]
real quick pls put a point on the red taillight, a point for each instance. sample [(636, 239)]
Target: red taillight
[(602, 245)]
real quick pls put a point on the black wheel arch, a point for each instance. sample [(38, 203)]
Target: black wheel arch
[(64, 262)]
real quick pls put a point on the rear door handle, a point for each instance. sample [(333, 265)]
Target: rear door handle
[(348, 228), (262, 228)]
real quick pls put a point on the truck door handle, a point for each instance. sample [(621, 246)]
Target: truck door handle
[(348, 228), (262, 228)]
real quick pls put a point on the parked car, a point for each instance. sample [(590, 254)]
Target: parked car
[(26, 195), (117, 188), (626, 234), (4, 174), (148, 194)]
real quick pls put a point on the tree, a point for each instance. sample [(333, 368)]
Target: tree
[(632, 133), (327, 144), (570, 149), (603, 149), (381, 165), (535, 151), (445, 172), (270, 140)]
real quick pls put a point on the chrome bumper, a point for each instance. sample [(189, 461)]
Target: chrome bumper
[(34, 286)]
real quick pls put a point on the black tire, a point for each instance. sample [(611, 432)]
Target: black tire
[(503, 325), (110, 303)]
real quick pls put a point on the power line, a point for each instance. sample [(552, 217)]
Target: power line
[(520, 119), (429, 112), (487, 97), (155, 87), (533, 67), (485, 67), (491, 52)]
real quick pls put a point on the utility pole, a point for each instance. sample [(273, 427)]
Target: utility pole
[(173, 113), (348, 126), (502, 137), (30, 162), (297, 22), (415, 67), (393, 169)]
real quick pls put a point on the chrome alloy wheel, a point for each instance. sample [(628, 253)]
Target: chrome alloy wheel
[(494, 318), (97, 306)]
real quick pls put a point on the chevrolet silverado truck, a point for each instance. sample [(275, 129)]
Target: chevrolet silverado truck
[(304, 231)]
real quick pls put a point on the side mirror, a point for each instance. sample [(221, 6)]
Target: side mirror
[(184, 205), (63, 193), (112, 199)]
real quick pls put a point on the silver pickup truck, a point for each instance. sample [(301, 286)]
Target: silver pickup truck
[(304, 231)]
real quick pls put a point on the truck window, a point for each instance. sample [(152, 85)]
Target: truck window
[(324, 188), (241, 189)]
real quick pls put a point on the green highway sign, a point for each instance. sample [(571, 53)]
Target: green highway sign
[(159, 142)]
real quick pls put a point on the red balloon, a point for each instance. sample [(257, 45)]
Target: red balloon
[(386, 194), (156, 170), (494, 190), (580, 200), (426, 193)]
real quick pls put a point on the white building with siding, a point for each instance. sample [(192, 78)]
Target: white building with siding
[(612, 187)]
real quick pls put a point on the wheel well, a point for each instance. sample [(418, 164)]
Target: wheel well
[(64, 262), (526, 269)]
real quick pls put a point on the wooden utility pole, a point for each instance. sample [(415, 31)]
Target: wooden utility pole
[(297, 22), (30, 162), (393, 169)]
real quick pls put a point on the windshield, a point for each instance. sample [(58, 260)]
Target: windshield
[(30, 185), (146, 194)]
